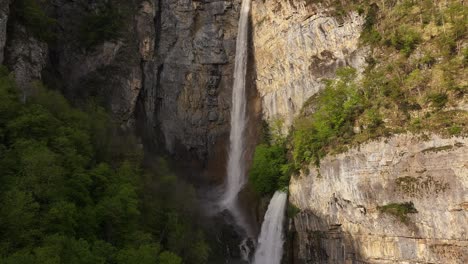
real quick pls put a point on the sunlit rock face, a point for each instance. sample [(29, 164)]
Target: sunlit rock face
[(340, 220), (296, 47)]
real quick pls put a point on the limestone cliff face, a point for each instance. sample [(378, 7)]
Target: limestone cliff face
[(296, 47), (340, 221)]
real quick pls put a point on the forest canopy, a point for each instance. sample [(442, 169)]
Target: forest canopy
[(70, 193)]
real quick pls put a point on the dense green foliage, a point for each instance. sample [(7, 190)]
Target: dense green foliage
[(33, 17), (69, 193), (270, 169), (105, 24), (399, 210), (267, 173)]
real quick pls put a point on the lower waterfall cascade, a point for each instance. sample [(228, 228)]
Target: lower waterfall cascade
[(270, 242)]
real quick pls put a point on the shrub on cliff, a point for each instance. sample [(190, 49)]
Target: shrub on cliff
[(399, 210)]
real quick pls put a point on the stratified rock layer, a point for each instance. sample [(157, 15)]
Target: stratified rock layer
[(340, 221)]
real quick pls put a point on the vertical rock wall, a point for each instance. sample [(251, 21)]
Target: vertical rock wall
[(193, 73)]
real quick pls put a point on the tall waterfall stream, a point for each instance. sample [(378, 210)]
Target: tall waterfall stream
[(236, 170)]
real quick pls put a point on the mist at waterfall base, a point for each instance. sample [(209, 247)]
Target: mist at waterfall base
[(271, 239)]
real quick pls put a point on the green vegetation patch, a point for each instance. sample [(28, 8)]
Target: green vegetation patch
[(399, 210), (270, 169), (404, 39), (438, 100)]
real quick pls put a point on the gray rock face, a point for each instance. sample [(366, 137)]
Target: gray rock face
[(340, 221), (296, 47), (194, 65), (4, 12)]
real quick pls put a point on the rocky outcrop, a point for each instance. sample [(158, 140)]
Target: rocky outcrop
[(343, 218), (4, 12), (296, 46)]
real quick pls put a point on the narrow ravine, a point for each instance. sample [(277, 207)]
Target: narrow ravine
[(271, 239)]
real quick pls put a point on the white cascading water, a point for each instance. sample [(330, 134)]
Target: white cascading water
[(236, 169), (270, 242)]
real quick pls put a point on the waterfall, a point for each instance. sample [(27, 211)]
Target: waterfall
[(270, 242), (236, 169)]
